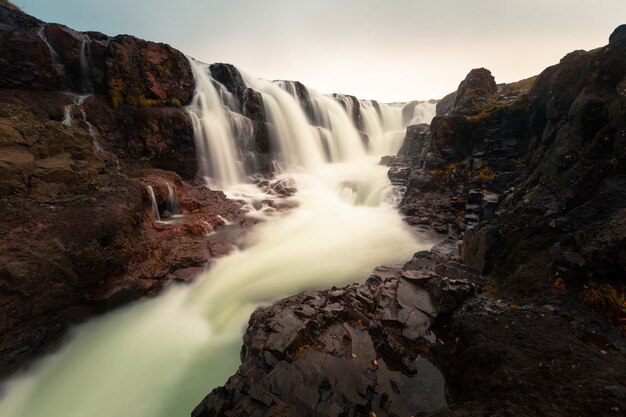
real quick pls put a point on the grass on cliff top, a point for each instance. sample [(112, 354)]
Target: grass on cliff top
[(9, 6), (519, 87), (508, 95), (606, 301)]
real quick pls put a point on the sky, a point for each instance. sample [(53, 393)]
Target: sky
[(389, 50)]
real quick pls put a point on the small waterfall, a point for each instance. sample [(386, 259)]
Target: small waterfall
[(93, 132), (346, 141), (85, 69), (155, 206), (384, 127), (67, 116), (79, 100), (423, 113), (212, 133), (56, 59), (172, 204)]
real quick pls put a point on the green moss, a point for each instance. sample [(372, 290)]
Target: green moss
[(117, 99), (174, 102), (164, 69), (607, 301), (142, 101)]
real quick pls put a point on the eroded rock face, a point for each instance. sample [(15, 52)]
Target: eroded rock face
[(142, 73), (574, 183), (349, 351)]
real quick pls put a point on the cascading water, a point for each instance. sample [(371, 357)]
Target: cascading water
[(172, 201), (423, 112), (289, 126), (85, 69), (53, 54), (155, 206), (212, 131), (159, 357)]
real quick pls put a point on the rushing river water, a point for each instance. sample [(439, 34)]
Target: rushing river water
[(159, 357)]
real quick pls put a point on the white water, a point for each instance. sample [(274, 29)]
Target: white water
[(85, 69), (423, 112), (172, 204), (155, 206), (54, 55), (67, 116), (158, 358), (289, 126), (215, 142)]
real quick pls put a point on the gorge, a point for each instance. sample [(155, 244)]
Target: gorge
[(155, 208)]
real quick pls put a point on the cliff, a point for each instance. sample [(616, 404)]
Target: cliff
[(87, 122)]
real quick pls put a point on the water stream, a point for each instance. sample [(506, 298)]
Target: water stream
[(159, 357)]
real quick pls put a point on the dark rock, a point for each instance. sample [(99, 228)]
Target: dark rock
[(349, 351), (618, 35), (229, 77), (445, 105), (474, 91)]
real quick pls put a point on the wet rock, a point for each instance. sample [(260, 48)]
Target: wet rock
[(356, 350)]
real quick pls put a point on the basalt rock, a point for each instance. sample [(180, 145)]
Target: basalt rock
[(544, 196), (355, 351), (474, 91)]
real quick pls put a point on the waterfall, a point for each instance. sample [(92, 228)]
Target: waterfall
[(85, 69), (158, 357), (423, 113), (155, 206), (289, 126), (53, 54), (215, 142), (172, 204), (67, 116)]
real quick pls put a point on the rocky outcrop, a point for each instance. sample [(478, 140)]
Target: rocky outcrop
[(573, 185), (452, 172), (360, 350), (87, 123)]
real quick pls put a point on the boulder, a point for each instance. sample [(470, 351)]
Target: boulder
[(473, 92)]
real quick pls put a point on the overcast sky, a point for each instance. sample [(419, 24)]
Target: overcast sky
[(390, 50)]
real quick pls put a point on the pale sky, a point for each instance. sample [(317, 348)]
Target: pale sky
[(389, 50)]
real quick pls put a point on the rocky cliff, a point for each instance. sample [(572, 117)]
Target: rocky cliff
[(87, 122)]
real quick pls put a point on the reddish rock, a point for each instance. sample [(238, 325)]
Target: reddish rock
[(25, 59), (79, 231), (142, 73)]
